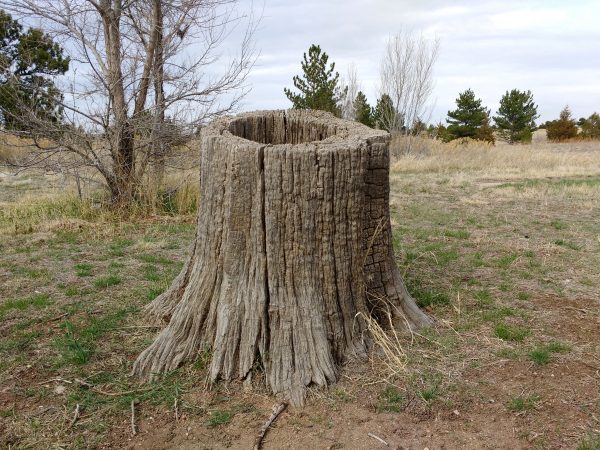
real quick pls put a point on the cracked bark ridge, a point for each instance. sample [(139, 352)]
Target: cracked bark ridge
[(292, 250)]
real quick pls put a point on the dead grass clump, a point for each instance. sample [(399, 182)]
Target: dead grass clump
[(178, 195)]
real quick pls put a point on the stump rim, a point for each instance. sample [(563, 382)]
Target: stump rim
[(350, 135)]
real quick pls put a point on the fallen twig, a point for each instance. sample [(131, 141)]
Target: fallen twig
[(377, 438), (277, 409), (54, 319), (75, 416), (133, 428), (176, 410)]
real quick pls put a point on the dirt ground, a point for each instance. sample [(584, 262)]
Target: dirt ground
[(506, 259)]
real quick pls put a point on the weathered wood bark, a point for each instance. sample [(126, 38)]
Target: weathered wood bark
[(292, 251)]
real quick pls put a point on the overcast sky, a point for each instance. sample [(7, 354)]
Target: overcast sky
[(549, 47)]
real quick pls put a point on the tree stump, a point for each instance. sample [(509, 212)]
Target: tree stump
[(292, 253)]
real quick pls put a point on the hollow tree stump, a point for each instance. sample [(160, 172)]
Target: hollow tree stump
[(292, 251)]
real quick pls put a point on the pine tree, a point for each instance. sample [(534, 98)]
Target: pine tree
[(364, 112), (562, 129), (385, 114), (516, 116), (28, 61), (470, 119), (591, 127), (318, 85)]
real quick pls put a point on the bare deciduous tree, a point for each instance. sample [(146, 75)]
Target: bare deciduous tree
[(349, 87), (407, 78), (145, 74)]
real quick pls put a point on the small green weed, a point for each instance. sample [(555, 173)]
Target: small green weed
[(219, 417), (118, 246), (150, 272), (483, 297), (523, 402), (513, 333), (154, 291), (429, 394), (567, 244), (543, 355), (71, 291), (558, 224), (107, 281), (426, 295), (390, 400), (83, 269), (496, 314), (540, 356), (504, 262)]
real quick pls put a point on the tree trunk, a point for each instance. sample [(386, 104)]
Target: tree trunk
[(292, 252)]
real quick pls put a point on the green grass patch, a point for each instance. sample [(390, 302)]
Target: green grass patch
[(523, 402), (523, 296), (34, 301), (150, 272), (558, 224), (78, 343), (390, 400), (154, 291), (429, 394), (542, 355), (427, 295), (512, 333), (567, 244), (457, 234), (483, 297), (118, 246), (505, 261), (218, 418), (107, 281), (496, 314), (84, 269)]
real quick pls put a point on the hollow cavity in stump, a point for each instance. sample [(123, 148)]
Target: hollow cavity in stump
[(292, 252)]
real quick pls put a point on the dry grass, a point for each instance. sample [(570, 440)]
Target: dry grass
[(34, 201), (11, 148), (505, 161)]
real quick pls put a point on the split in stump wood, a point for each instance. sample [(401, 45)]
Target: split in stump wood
[(292, 251)]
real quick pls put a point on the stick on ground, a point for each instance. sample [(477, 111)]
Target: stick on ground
[(277, 409), (133, 428), (75, 416), (377, 438)]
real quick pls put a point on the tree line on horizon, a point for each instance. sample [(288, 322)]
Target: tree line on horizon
[(320, 88)]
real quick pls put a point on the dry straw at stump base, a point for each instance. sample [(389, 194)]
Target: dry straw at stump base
[(292, 251)]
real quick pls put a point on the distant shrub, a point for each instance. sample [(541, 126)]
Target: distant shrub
[(590, 127), (562, 129)]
